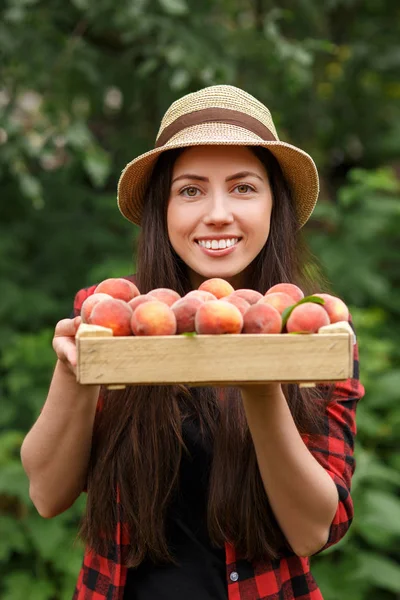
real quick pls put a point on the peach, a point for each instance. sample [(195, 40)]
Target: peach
[(251, 296), (89, 304), (117, 287), (307, 318), (262, 318), (287, 288), (185, 311), (164, 295), (237, 301), (153, 318), (218, 317), (113, 313), (278, 300), (135, 302), (202, 294), (218, 287), (335, 307)]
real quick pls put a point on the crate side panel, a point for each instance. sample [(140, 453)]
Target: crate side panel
[(202, 359)]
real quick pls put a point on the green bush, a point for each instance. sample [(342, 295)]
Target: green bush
[(82, 91)]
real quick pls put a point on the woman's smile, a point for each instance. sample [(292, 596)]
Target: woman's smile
[(217, 246)]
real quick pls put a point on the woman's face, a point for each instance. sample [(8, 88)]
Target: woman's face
[(219, 211)]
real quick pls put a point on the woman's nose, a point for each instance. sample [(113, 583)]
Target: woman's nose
[(219, 210)]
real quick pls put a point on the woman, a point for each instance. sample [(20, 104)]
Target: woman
[(203, 493)]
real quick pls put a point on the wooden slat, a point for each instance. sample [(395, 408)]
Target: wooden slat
[(212, 359)]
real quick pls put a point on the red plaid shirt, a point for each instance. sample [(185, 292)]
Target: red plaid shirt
[(285, 578)]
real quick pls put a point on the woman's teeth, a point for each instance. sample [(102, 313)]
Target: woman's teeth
[(218, 244)]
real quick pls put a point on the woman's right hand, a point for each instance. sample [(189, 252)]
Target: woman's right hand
[(64, 342)]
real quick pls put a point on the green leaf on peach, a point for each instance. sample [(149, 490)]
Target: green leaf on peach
[(288, 311), (298, 333), (315, 299)]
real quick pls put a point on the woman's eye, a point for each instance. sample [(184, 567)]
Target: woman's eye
[(191, 192), (243, 188)]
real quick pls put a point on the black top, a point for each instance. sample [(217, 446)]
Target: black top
[(201, 574)]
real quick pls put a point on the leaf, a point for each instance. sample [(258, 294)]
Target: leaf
[(336, 579), (371, 471), (389, 386), (377, 179), (179, 79), (380, 571), (68, 559), (97, 164), (13, 480), (12, 538), (189, 333), (174, 7), (381, 509), (288, 311), (50, 536), (10, 444), (32, 188), (314, 299), (78, 135), (286, 314), (81, 4), (147, 67), (21, 585), (298, 333)]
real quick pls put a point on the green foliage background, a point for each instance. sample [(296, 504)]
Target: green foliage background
[(82, 89)]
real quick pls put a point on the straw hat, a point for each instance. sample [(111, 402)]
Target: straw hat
[(219, 115)]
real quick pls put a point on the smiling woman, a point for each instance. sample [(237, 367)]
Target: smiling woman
[(204, 493)]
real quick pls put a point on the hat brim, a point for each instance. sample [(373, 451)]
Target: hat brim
[(297, 166)]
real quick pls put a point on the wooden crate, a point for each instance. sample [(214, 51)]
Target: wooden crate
[(212, 359)]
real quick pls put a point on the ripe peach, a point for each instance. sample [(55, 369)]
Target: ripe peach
[(113, 313), (117, 287), (251, 296), (278, 300), (218, 317), (165, 295), (135, 302), (217, 286), (185, 311), (262, 318), (237, 301), (202, 294), (335, 307), (153, 318), (89, 304), (307, 318), (288, 288)]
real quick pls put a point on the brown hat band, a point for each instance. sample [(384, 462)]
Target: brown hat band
[(215, 115)]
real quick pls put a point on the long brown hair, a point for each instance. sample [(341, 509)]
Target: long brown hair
[(137, 442)]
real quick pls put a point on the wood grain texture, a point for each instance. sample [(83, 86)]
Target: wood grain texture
[(213, 359)]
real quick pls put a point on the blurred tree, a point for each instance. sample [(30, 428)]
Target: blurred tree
[(83, 88)]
